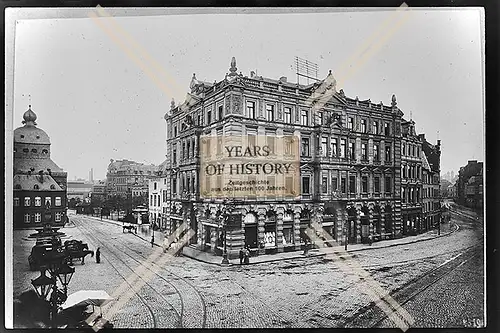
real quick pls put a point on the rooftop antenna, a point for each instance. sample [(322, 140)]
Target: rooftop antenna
[(306, 68), (437, 135)]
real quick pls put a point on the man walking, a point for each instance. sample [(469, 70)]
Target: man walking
[(98, 255)]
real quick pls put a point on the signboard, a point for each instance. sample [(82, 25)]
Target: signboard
[(249, 166)]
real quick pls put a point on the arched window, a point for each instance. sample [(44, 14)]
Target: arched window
[(36, 187), (45, 151), (17, 186), (52, 187), (26, 150), (34, 151)]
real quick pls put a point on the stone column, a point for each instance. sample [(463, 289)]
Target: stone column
[(358, 225), (296, 229), (279, 228), (261, 220), (339, 237), (370, 221), (382, 221)]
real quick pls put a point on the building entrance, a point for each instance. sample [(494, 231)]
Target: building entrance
[(251, 238)]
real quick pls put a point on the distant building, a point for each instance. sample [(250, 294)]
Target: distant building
[(124, 178), (99, 190), (39, 183), (470, 185), (433, 180), (79, 190)]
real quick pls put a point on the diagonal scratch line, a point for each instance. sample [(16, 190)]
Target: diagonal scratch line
[(143, 274), (156, 66), (372, 288), (326, 90), (129, 52)]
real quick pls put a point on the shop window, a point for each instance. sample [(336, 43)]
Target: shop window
[(270, 230)]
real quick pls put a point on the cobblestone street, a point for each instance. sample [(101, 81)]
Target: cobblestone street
[(307, 292)]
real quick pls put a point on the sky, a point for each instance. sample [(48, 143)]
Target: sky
[(96, 102)]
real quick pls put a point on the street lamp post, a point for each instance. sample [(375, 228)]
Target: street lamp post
[(227, 210), (44, 285)]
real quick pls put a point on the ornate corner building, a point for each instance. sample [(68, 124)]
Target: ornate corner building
[(351, 164), (39, 184)]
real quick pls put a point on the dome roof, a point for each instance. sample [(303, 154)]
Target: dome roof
[(29, 133)]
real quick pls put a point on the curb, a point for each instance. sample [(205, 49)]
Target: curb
[(410, 242)]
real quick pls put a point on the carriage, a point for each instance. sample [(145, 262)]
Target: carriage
[(75, 249)]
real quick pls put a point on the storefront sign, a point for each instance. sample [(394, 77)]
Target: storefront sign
[(243, 166)]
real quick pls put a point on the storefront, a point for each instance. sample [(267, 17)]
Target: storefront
[(251, 231), (288, 231)]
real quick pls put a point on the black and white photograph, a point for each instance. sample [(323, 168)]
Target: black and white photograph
[(245, 168)]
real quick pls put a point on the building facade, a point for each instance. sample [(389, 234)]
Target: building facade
[(351, 164), (433, 181), (126, 177), (39, 183), (470, 185), (79, 190)]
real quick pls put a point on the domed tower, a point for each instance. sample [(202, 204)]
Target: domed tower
[(39, 183)]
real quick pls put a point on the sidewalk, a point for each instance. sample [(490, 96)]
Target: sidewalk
[(145, 233)]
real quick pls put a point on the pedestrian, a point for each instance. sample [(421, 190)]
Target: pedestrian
[(152, 240), (242, 255), (98, 255), (306, 246), (370, 240), (247, 255)]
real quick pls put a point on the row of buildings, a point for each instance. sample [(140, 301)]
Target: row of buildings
[(469, 189), (364, 171)]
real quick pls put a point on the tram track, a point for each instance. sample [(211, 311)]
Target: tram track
[(132, 269), (371, 315), (150, 310), (192, 305)]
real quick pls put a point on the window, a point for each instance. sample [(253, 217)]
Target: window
[(404, 149), (16, 202), (38, 217), (387, 184), (342, 148), (418, 151), (334, 184), (188, 148), (209, 117), (27, 218), (333, 147), (364, 183), (174, 157), (320, 118), (198, 120), (270, 112), (387, 129), (377, 184), (151, 202), (350, 123), (58, 201), (33, 150), (376, 153), (183, 152), (174, 185), (343, 185), (38, 201), (288, 115), (27, 201), (305, 147), (305, 118), (36, 187), (26, 150), (363, 125), (364, 152), (324, 185), (388, 153), (221, 113), (251, 139), (324, 146), (251, 109), (351, 151), (375, 127), (305, 185), (270, 143), (352, 184), (58, 217), (175, 131), (154, 186)]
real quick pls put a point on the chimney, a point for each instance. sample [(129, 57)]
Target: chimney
[(252, 74), (283, 79), (439, 143)]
